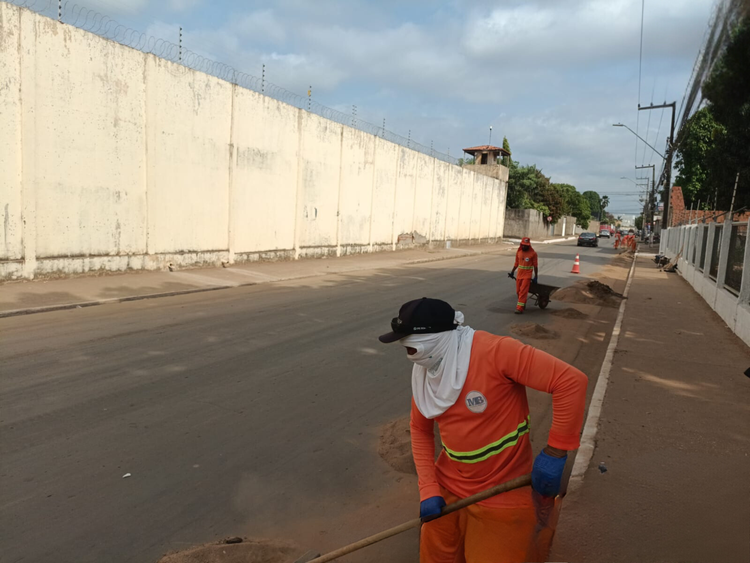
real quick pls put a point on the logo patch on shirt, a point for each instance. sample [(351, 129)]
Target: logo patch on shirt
[(526, 259), (476, 402)]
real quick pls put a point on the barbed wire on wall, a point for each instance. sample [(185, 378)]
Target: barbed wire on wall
[(102, 25)]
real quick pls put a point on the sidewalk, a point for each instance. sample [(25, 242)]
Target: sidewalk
[(24, 297), (674, 436)]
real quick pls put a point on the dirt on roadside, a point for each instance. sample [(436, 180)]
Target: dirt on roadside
[(246, 551), (533, 330), (395, 446), (569, 313), (591, 292)]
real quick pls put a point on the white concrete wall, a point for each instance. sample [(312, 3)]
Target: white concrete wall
[(384, 194), (189, 122), (111, 159), (264, 176), (11, 229), (318, 185), (466, 204), (453, 204), (357, 182)]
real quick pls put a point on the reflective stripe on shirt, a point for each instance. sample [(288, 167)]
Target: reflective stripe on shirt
[(489, 450)]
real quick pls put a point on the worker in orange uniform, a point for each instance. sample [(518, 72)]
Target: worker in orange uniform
[(526, 263), (618, 236), (473, 384)]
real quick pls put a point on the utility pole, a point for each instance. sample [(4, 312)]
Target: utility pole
[(651, 198), (668, 163)]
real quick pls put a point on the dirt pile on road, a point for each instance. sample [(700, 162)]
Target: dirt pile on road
[(570, 313), (533, 330), (247, 551), (592, 292), (395, 446)]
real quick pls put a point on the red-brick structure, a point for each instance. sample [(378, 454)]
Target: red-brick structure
[(682, 216)]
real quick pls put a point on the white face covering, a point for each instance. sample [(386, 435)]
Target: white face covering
[(441, 365)]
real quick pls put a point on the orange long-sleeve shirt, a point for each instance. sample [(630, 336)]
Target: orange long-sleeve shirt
[(525, 262), (485, 434)]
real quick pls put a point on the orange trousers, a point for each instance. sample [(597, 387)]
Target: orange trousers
[(522, 289), (478, 534)]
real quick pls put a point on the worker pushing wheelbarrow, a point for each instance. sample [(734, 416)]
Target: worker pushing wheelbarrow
[(527, 281)]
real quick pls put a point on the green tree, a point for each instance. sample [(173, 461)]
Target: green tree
[(639, 222), (581, 210), (604, 204), (595, 204), (574, 204), (553, 201), (728, 93), (506, 146), (525, 186), (696, 154)]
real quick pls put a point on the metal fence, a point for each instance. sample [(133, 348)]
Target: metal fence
[(714, 268), (712, 259), (99, 24), (721, 249), (735, 257)]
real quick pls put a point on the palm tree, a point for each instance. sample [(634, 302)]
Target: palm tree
[(603, 206)]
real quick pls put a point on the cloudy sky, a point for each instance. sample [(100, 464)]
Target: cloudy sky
[(551, 75)]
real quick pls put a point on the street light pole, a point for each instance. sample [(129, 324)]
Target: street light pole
[(668, 164), (651, 197), (637, 135)]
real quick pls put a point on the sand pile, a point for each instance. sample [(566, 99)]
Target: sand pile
[(589, 293), (570, 313), (533, 330), (395, 446), (248, 551)]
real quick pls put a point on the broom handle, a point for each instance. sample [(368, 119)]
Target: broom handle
[(516, 483)]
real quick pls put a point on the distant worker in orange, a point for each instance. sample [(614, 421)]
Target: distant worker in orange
[(473, 385), (526, 263), (618, 237)]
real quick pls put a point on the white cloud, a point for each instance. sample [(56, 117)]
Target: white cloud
[(260, 26), (116, 7), (183, 5)]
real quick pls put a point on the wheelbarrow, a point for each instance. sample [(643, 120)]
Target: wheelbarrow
[(542, 293)]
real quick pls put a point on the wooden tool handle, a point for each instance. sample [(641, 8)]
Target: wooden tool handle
[(516, 483)]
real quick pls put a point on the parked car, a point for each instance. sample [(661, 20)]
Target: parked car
[(588, 239), (604, 233)]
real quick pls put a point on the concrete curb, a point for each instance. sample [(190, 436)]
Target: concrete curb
[(94, 303), (588, 437), (550, 241)]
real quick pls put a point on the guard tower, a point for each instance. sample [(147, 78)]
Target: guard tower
[(486, 161), (486, 154)]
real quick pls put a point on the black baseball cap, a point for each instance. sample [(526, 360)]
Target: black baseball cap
[(421, 316)]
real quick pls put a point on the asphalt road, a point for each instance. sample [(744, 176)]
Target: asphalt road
[(251, 411)]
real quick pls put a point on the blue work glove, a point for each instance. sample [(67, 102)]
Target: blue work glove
[(430, 508), (535, 280), (547, 474)]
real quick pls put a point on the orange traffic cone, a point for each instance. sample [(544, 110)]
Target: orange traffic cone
[(576, 266)]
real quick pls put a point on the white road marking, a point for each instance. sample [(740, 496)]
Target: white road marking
[(588, 438)]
